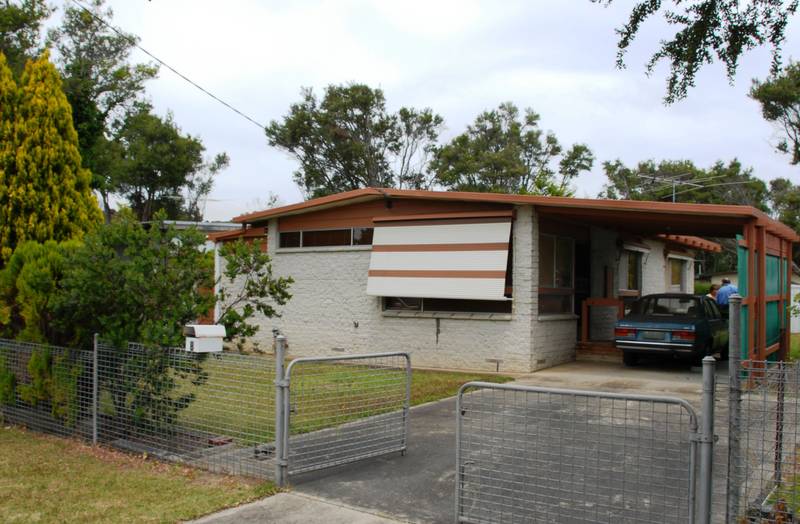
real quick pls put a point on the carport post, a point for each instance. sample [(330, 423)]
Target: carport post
[(706, 442), (280, 414), (734, 406)]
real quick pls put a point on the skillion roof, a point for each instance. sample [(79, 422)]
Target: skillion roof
[(642, 217)]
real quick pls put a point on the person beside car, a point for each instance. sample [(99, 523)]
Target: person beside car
[(724, 294), (712, 292)]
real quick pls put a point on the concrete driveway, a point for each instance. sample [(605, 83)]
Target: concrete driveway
[(420, 486)]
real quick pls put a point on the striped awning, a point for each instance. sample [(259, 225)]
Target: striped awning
[(458, 256)]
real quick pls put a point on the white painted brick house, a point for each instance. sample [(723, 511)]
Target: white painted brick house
[(465, 280)]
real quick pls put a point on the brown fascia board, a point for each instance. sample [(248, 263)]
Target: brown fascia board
[(743, 213)]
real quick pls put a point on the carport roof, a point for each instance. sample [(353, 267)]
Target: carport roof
[(640, 217)]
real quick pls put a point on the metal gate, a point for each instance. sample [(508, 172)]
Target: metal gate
[(532, 454), (336, 410)]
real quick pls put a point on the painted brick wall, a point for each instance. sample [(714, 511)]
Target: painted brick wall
[(330, 312)]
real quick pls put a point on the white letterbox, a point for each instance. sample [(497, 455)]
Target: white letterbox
[(202, 338)]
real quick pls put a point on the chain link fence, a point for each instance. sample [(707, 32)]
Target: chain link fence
[(528, 454)]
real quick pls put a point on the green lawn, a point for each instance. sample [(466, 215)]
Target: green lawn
[(324, 395), (48, 479), (794, 352)]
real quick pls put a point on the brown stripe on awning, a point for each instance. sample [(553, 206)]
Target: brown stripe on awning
[(439, 222), (433, 273), (445, 216), (486, 246)]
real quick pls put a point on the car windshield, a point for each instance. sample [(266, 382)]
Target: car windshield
[(667, 307)]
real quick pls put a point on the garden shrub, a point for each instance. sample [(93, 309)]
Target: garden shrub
[(8, 382), (64, 389), (38, 389)]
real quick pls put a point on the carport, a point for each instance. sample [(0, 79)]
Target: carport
[(764, 255)]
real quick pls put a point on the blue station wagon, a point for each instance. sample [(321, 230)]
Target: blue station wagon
[(672, 325)]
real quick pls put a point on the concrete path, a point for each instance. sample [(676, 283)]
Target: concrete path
[(290, 508)]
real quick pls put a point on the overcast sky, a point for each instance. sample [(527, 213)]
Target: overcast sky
[(457, 57)]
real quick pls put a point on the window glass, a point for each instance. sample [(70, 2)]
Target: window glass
[(446, 305), (633, 275), (402, 303), (290, 239), (563, 274), (676, 272), (667, 306), (362, 236), (547, 247), (328, 237), (468, 306), (553, 304)]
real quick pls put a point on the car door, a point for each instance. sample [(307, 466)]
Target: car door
[(716, 324)]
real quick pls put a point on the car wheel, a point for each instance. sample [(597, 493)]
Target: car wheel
[(630, 359)]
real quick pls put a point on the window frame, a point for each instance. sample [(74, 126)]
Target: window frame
[(554, 290), (334, 246)]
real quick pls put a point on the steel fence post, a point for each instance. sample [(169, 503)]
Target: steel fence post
[(459, 471), (706, 443), (280, 415), (733, 488), (95, 344), (407, 405)]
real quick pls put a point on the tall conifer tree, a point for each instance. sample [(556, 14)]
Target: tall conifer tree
[(48, 193)]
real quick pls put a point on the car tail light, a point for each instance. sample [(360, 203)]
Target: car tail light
[(621, 332), (684, 336)]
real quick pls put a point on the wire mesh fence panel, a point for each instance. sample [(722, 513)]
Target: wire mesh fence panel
[(46, 388), (764, 462), (209, 410), (545, 455), (720, 476), (345, 409)]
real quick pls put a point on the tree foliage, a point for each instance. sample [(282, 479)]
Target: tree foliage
[(135, 283), (349, 140), (29, 285), (707, 30), (785, 199), (504, 151), (46, 193), (101, 84), (779, 97), (160, 168), (720, 184), (20, 31), (257, 289)]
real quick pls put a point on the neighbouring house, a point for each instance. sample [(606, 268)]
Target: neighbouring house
[(487, 281)]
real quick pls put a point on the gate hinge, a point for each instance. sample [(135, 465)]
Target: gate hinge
[(282, 462), (282, 383)]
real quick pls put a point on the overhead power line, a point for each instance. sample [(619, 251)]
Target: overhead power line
[(135, 43)]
